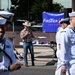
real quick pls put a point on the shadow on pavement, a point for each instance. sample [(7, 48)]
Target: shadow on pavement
[(47, 56), (52, 62)]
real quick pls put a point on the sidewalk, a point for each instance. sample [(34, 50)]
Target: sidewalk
[(43, 56)]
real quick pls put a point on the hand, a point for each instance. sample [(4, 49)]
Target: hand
[(15, 66), (36, 36), (27, 32), (63, 69)]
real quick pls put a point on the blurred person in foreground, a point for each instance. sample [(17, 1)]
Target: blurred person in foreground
[(63, 24), (68, 47), (8, 62), (26, 36)]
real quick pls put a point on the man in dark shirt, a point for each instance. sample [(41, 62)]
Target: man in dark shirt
[(27, 35)]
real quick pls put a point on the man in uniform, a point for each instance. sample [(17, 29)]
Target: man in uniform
[(63, 24), (8, 61), (67, 47)]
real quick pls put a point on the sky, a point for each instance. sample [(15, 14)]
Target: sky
[(65, 3)]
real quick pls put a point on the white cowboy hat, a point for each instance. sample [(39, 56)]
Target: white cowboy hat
[(27, 23)]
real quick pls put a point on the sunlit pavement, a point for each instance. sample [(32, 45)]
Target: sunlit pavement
[(45, 64)]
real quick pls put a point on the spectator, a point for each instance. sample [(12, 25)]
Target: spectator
[(27, 35)]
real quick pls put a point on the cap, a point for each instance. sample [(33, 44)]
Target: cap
[(27, 23), (72, 14), (65, 20), (2, 21)]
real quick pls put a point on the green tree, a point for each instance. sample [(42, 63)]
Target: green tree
[(32, 9), (57, 7), (21, 11), (40, 6)]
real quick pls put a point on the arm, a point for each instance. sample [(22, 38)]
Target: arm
[(14, 65), (64, 48)]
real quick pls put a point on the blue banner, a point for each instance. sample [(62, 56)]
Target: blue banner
[(51, 21)]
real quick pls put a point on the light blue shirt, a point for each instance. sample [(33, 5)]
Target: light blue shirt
[(6, 61)]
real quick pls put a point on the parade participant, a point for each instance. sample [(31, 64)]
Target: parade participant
[(8, 61), (63, 24), (68, 47)]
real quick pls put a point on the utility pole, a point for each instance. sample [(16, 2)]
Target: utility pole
[(28, 10), (50, 5)]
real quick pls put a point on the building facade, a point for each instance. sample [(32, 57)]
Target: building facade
[(5, 4)]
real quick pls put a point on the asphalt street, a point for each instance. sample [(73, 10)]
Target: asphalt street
[(45, 64), (36, 70)]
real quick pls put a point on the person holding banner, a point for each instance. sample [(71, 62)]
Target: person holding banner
[(63, 24), (8, 60)]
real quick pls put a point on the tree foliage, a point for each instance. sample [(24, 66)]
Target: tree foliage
[(32, 9), (57, 7), (42, 6)]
